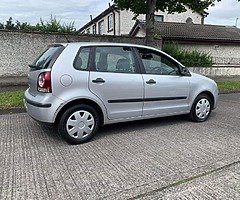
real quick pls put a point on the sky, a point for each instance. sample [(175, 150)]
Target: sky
[(79, 11)]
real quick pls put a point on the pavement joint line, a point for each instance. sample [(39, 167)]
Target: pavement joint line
[(183, 181), (229, 101)]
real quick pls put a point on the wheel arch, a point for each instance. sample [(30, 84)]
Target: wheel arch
[(74, 102), (210, 94)]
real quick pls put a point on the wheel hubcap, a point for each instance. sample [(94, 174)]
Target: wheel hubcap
[(203, 108), (80, 124)]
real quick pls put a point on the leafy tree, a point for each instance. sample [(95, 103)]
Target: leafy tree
[(148, 7)]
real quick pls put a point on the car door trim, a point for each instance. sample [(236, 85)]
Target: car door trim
[(146, 99)]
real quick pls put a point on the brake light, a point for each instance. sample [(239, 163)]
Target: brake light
[(44, 82)]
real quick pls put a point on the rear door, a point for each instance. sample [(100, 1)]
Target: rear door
[(166, 91), (116, 81)]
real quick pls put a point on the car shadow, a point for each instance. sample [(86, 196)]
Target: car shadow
[(51, 131), (140, 125)]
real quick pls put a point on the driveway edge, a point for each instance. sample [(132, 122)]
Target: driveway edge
[(12, 111)]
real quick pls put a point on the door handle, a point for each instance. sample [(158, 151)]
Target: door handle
[(151, 81), (98, 80)]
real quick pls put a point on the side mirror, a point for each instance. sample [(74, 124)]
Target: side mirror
[(185, 71)]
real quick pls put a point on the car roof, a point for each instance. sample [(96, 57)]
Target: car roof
[(106, 44)]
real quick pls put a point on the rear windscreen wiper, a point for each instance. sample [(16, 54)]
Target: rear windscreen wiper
[(32, 66)]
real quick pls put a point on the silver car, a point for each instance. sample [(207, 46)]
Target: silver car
[(82, 86)]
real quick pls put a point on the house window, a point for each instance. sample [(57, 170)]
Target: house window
[(94, 29), (158, 18), (88, 31), (110, 22), (100, 27)]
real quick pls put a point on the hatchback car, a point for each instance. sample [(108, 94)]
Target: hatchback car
[(82, 86)]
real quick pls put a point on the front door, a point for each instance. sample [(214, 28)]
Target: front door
[(116, 81), (166, 91)]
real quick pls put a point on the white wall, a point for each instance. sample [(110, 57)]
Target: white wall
[(105, 25), (127, 22), (216, 71), (216, 50)]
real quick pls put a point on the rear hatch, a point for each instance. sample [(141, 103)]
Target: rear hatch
[(43, 63)]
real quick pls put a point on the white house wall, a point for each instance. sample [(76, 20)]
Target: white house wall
[(105, 25), (182, 17), (140, 33), (127, 22)]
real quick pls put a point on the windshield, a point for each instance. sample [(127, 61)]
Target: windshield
[(47, 57)]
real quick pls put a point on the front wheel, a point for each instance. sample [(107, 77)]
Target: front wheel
[(201, 108), (78, 124)]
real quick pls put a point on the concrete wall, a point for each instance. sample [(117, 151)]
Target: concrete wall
[(18, 49), (221, 53), (216, 71)]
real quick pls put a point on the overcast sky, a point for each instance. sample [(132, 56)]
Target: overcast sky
[(78, 11)]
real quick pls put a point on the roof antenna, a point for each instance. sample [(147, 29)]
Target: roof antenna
[(91, 17)]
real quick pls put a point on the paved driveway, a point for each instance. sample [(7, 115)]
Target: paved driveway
[(160, 158)]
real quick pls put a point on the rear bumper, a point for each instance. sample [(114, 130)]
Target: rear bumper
[(42, 108)]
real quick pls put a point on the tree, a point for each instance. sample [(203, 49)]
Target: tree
[(148, 7)]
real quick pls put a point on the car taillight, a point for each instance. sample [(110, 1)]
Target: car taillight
[(44, 82)]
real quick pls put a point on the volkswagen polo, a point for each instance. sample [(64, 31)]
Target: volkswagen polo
[(82, 86)]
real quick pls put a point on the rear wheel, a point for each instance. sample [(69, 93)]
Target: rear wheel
[(201, 108), (78, 124)]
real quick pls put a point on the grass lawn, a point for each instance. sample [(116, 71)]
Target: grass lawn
[(230, 85), (14, 99)]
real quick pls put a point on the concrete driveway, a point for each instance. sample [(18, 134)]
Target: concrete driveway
[(167, 158)]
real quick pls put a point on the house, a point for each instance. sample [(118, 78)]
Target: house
[(222, 42), (113, 21)]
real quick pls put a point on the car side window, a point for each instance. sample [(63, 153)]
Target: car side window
[(82, 59), (114, 59), (155, 63)]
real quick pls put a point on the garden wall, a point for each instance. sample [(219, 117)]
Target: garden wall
[(18, 49), (216, 71)]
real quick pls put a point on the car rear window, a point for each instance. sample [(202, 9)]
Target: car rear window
[(47, 58)]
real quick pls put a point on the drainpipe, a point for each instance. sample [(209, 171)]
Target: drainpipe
[(114, 23), (119, 26)]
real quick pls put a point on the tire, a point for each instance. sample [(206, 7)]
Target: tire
[(201, 108), (78, 124)]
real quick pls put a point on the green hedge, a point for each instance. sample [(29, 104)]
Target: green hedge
[(188, 58), (52, 25)]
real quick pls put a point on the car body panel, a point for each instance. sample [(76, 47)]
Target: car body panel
[(118, 93), (171, 94), (70, 84)]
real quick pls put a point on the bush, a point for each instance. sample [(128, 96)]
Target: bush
[(188, 58), (53, 25)]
